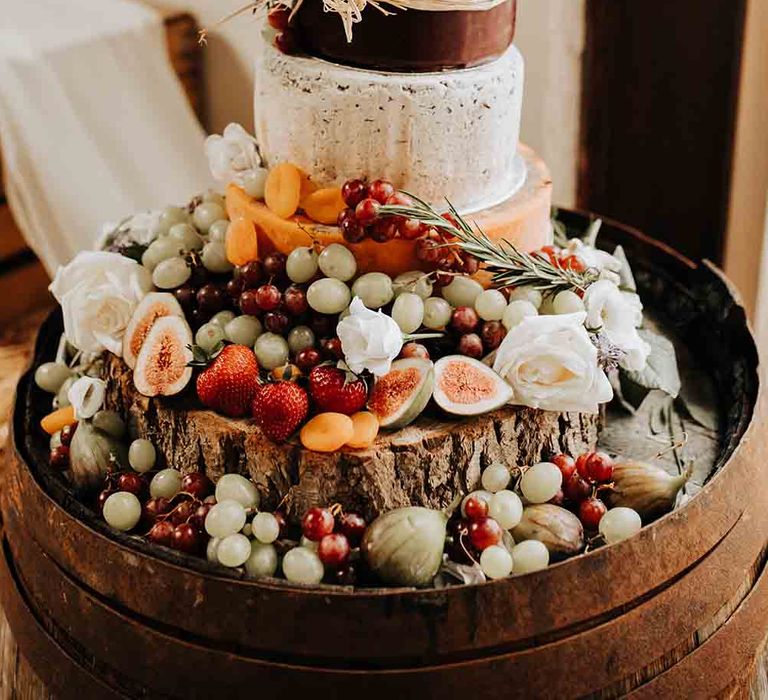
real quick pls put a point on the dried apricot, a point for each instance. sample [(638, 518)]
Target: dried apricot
[(282, 191), (307, 186), (327, 432), (242, 243), (324, 206), (55, 421), (366, 427)]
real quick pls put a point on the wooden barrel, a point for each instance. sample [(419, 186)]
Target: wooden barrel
[(679, 610)]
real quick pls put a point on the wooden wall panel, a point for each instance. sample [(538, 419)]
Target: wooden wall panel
[(659, 90)]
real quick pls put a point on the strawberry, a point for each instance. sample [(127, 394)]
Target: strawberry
[(337, 391), (280, 408), (230, 382)]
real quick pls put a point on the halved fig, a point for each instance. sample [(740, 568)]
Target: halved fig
[(399, 397), (162, 365), (152, 307), (467, 387)]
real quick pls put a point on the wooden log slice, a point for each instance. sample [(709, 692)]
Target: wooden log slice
[(428, 463)]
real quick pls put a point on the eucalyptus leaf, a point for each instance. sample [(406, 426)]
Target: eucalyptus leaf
[(660, 372)]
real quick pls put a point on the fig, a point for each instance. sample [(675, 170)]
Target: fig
[(467, 387), (646, 488), (152, 307), (557, 528), (404, 547), (162, 367), (93, 454), (399, 397)]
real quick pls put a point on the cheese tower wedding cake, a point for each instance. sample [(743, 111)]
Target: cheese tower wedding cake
[(375, 318)]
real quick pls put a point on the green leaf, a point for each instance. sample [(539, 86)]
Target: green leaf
[(660, 372)]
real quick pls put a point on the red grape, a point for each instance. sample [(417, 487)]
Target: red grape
[(250, 274), (333, 549), (470, 345), (352, 526), (197, 519), (383, 230), (132, 483), (67, 433), (381, 190), (484, 533), (268, 297), (234, 288), (464, 320), (469, 264), (565, 464), (210, 298), (197, 484), (274, 264), (590, 512), (186, 538), (182, 512), (332, 348), (581, 464), (400, 199), (308, 358), (352, 230), (295, 300), (600, 468), (345, 575), (249, 302), (277, 322), (323, 325), (102, 497), (185, 295), (492, 333), (60, 458), (410, 229), (281, 521), (558, 499), (577, 489), (427, 250), (317, 523), (367, 211), (353, 192), (162, 533), (154, 508), (475, 508)]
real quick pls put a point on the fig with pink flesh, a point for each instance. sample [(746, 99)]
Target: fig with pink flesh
[(152, 307), (467, 387), (399, 397), (162, 365)]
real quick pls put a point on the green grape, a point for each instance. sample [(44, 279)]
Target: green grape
[(374, 289), (142, 455), (300, 338), (301, 265), (218, 231), (408, 312), (462, 291), (415, 281), (159, 250), (206, 214), (122, 511), (171, 273), (516, 311), (328, 296), (171, 216), (223, 318), (209, 337), (186, 236), (338, 262), (214, 257), (490, 305), (254, 183), (271, 350), (51, 375), (243, 330), (437, 313), (215, 197), (62, 400)]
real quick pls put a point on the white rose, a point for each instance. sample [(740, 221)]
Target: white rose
[(606, 264), (141, 228), (369, 339), (86, 396), (232, 156), (551, 364), (98, 293), (617, 314)]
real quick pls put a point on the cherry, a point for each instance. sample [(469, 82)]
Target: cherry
[(308, 358), (67, 433), (277, 322), (414, 350), (577, 489), (162, 532), (268, 297), (464, 320), (470, 345), (353, 192), (250, 274), (295, 300), (60, 458), (383, 230), (186, 538), (367, 210), (600, 468), (352, 526), (565, 464), (484, 533), (210, 298), (590, 512), (154, 508), (274, 264), (381, 190), (234, 288), (332, 348), (278, 18), (427, 250), (333, 549), (476, 508), (102, 498), (317, 523), (249, 302), (197, 484), (492, 333), (132, 483)]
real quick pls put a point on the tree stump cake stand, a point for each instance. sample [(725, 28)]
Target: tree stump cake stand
[(680, 610)]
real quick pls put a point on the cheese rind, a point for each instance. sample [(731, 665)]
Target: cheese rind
[(450, 134)]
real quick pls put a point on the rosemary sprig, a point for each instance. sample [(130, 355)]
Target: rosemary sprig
[(507, 265)]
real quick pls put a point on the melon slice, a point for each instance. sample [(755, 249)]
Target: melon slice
[(467, 387), (399, 397), (162, 367), (152, 307)]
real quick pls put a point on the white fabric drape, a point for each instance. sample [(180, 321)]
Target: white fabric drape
[(94, 124)]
